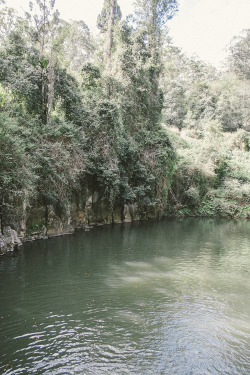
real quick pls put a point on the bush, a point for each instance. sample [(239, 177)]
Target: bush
[(212, 175), (192, 196), (17, 177)]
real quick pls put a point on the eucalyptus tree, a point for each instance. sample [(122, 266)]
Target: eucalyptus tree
[(173, 82), (78, 46), (153, 15), (20, 59), (239, 58), (239, 62), (44, 26), (8, 20), (110, 14), (145, 39)]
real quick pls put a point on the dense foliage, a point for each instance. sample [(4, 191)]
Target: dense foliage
[(207, 114), (74, 121), (79, 115)]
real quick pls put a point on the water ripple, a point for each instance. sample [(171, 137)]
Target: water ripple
[(151, 299)]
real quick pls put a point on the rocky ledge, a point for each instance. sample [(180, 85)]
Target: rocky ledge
[(9, 241)]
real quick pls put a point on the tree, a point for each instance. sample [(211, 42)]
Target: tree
[(109, 6), (104, 131), (173, 83), (18, 58), (239, 62), (78, 46), (44, 32), (109, 15), (8, 19), (152, 15), (139, 94), (239, 59)]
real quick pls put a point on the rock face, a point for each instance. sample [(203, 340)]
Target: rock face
[(41, 222), (94, 209), (9, 240)]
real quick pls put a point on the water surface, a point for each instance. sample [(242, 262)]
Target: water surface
[(170, 297)]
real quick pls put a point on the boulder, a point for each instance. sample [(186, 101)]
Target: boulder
[(9, 240)]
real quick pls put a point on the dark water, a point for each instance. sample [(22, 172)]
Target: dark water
[(169, 297)]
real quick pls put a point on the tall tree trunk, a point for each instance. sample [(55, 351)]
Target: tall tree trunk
[(51, 85), (43, 72), (43, 94), (110, 36)]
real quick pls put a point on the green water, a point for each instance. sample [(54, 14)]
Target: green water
[(170, 297)]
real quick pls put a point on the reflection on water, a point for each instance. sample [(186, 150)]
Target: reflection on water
[(167, 297)]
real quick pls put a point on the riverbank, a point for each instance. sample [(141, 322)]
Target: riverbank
[(44, 222), (11, 242), (210, 178)]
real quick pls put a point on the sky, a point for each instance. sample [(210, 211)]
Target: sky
[(201, 27)]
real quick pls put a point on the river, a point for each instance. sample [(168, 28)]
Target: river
[(169, 297)]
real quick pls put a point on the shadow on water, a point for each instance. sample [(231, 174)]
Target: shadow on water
[(168, 297)]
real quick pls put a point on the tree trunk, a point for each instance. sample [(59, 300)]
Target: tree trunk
[(51, 85), (110, 36), (43, 93), (24, 212), (44, 70)]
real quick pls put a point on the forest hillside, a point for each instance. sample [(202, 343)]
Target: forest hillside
[(118, 127)]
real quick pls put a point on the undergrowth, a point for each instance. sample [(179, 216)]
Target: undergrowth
[(212, 173)]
